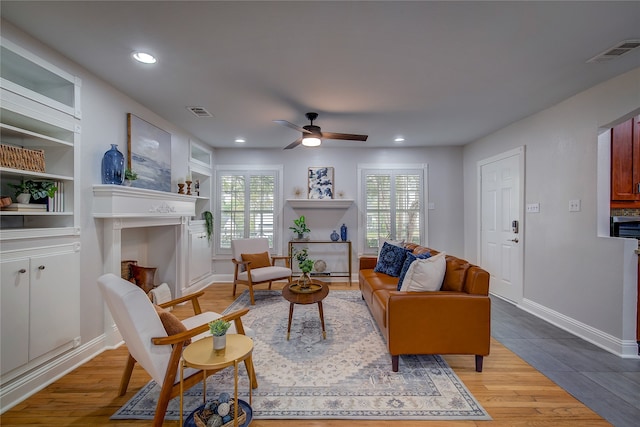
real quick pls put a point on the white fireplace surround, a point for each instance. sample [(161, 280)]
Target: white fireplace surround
[(120, 208)]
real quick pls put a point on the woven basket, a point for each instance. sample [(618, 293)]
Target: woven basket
[(22, 158), (201, 418)]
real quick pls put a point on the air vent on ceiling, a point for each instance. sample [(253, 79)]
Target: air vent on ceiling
[(616, 51), (199, 112)]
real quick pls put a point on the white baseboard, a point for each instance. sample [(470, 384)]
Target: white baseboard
[(627, 349), (24, 386)]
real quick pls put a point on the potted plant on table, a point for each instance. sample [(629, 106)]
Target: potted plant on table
[(300, 227), (219, 328), (305, 265)]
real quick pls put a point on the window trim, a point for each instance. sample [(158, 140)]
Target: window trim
[(278, 216), (423, 168)]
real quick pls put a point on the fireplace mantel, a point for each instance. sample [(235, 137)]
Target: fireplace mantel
[(117, 201)]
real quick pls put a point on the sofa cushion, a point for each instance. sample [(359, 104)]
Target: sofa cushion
[(257, 260), (425, 274), (454, 278), (390, 260), (407, 263)]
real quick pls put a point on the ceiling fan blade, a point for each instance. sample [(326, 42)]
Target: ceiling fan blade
[(345, 136), (294, 144), (291, 125)]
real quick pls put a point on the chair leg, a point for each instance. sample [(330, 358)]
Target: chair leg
[(248, 363), (167, 385), (270, 281), (234, 289), (126, 375), (253, 301)]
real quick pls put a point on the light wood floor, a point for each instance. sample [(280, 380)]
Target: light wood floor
[(511, 391)]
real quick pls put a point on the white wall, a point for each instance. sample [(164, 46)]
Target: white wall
[(571, 275), (445, 230)]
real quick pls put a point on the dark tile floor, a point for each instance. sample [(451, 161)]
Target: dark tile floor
[(606, 383)]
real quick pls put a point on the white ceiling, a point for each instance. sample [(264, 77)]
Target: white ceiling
[(437, 73)]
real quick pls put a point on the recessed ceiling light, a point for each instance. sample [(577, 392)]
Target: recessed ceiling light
[(240, 140), (398, 139), (144, 57)]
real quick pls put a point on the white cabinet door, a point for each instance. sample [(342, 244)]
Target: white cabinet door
[(14, 317), (55, 302), (199, 256)]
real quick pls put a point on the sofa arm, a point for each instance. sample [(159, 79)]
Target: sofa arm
[(368, 262), (445, 322)]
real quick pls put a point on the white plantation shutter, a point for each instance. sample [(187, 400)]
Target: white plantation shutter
[(394, 205), (247, 205)]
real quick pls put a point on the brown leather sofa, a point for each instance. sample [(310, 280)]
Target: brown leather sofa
[(454, 320)]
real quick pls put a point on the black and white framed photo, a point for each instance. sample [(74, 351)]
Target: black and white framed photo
[(320, 183)]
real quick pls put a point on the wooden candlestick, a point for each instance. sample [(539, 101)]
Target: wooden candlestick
[(180, 188), (188, 187)]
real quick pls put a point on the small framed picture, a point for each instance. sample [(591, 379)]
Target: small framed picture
[(320, 183)]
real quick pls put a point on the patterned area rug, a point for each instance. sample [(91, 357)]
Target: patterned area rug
[(346, 376)]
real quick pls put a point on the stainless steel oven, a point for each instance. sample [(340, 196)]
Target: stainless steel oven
[(625, 226)]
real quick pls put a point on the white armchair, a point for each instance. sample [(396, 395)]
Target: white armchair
[(149, 344), (253, 264)]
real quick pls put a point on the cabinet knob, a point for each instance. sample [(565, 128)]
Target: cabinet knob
[(41, 267), (22, 270)]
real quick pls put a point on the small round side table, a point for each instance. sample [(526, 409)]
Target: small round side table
[(306, 298), (201, 355)]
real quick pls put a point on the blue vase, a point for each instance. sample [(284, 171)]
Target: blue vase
[(343, 233), (334, 236), (113, 166)]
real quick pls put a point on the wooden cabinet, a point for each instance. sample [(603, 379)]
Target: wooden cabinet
[(40, 304), (625, 164)]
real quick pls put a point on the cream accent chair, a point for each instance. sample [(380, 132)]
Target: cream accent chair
[(148, 343), (245, 275)]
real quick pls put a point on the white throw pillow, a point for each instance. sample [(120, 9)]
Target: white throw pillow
[(425, 274)]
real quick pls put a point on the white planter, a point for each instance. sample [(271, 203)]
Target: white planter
[(219, 344), (23, 198)]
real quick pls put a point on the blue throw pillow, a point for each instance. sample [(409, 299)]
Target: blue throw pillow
[(390, 260), (407, 263)]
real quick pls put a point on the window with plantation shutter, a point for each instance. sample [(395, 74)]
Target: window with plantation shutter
[(393, 206), (247, 206)]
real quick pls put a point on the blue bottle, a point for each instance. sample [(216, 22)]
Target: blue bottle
[(343, 233), (334, 236), (113, 166)]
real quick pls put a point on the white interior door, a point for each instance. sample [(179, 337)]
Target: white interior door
[(501, 245)]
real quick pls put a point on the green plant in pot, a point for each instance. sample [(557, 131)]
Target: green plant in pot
[(129, 176), (218, 329), (37, 190), (300, 227), (306, 266)]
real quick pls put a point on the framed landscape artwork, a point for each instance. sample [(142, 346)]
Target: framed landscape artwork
[(320, 183), (149, 154)]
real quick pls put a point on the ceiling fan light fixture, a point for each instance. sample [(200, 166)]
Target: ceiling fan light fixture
[(311, 141), (144, 57)]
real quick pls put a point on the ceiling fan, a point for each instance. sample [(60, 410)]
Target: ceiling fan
[(312, 135)]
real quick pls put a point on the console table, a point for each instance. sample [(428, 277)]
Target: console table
[(308, 243)]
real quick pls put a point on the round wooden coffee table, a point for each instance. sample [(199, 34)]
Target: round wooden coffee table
[(306, 298)]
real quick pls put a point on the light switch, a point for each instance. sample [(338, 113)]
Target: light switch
[(533, 207)]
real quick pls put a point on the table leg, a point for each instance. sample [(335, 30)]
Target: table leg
[(204, 386), (290, 318), (324, 333), (235, 407), (181, 387)]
